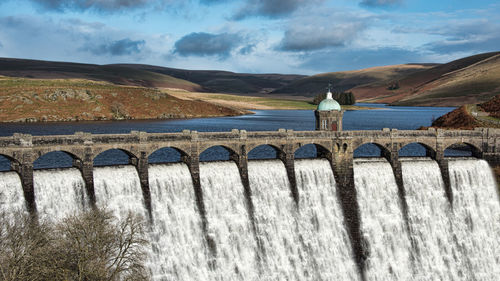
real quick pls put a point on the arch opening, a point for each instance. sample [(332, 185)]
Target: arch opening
[(310, 150), (461, 150), (416, 149), (371, 150), (217, 153), (56, 160), (113, 157), (166, 155), (263, 151), (5, 163)]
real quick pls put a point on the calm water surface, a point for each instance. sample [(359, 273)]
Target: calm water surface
[(398, 117)]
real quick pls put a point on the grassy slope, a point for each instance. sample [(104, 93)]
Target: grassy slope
[(24, 99), (345, 80), (224, 81), (413, 85), (109, 73)]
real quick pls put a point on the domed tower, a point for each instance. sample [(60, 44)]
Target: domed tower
[(329, 114)]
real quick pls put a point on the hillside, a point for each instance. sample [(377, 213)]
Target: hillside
[(345, 80), (224, 81), (110, 73), (470, 116), (467, 80), (32, 100)]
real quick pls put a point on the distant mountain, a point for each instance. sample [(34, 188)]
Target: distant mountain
[(468, 80), (346, 80), (224, 81), (110, 73)]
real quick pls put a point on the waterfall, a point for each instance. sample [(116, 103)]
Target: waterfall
[(283, 256), (59, 193), (321, 223), (11, 194), (117, 189), (229, 224), (429, 217), (382, 222), (476, 217), (178, 250)]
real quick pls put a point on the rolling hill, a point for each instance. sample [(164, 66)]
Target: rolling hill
[(110, 73), (224, 81), (468, 80), (346, 80)]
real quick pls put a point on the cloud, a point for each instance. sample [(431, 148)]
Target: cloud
[(351, 59), (248, 49), (271, 8), (98, 5), (317, 36), (117, 48), (380, 3), (207, 44)]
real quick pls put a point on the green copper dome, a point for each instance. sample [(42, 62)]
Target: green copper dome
[(329, 103)]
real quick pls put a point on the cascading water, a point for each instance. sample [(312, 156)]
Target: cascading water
[(117, 189), (179, 251), (382, 222), (283, 256), (476, 217), (229, 224), (59, 193), (11, 194), (429, 218), (321, 223)]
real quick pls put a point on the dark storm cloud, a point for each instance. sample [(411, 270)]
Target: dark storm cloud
[(207, 44), (351, 59), (379, 3), (271, 8), (117, 48), (98, 5)]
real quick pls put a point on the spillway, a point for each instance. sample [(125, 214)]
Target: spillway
[(382, 222), (476, 217), (178, 250), (321, 222), (280, 239), (283, 256), (11, 194), (229, 224), (59, 193), (434, 248)]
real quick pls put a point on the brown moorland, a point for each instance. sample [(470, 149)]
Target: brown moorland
[(32, 100)]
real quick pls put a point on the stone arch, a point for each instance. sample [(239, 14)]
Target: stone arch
[(183, 154), (7, 166), (430, 151), (321, 150), (232, 154), (474, 150), (56, 158), (277, 150), (130, 155), (366, 150)]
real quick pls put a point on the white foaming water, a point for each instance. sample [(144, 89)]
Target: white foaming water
[(11, 194), (476, 220), (118, 189), (434, 249), (179, 251), (59, 193), (275, 217), (382, 222), (321, 221), (229, 224)]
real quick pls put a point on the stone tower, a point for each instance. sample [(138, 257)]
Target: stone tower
[(329, 114)]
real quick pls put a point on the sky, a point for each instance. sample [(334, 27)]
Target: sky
[(253, 36)]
